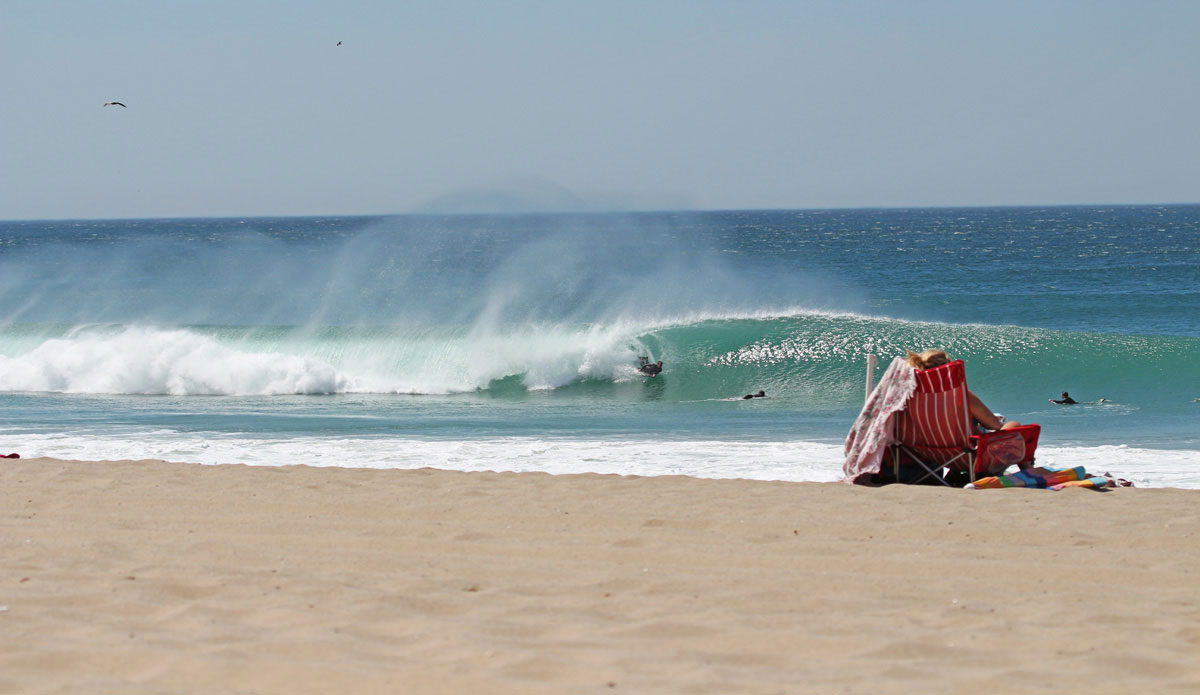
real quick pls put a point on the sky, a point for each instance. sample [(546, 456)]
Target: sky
[(250, 107)]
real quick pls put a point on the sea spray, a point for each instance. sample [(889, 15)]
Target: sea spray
[(389, 271)]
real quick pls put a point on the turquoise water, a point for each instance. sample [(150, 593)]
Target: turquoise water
[(511, 342)]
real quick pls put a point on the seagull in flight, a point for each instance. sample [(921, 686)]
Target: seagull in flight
[(115, 103)]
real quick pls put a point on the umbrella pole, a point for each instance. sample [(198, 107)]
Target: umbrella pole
[(871, 360)]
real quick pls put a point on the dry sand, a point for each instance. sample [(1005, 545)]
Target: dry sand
[(154, 577)]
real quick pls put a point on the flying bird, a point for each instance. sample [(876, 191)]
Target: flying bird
[(115, 103), (339, 43)]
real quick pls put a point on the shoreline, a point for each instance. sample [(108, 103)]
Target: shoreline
[(783, 461), (150, 576)]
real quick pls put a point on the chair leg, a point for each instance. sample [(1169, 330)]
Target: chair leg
[(932, 473), (929, 472)]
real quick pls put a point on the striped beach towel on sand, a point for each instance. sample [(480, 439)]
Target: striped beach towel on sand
[(1047, 478)]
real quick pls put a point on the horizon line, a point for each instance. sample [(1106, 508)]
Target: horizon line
[(615, 211)]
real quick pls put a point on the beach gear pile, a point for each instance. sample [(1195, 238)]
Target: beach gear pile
[(1049, 479)]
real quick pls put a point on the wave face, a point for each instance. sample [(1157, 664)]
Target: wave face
[(815, 358)]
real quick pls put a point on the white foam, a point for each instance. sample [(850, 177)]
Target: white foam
[(772, 460), (140, 360), (706, 459)]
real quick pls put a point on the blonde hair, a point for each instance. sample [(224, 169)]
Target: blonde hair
[(928, 359)]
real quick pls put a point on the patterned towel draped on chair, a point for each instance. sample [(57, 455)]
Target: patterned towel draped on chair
[(871, 433)]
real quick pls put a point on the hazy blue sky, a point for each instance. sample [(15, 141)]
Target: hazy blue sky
[(250, 108)]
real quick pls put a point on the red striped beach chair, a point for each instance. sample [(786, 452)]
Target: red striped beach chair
[(934, 433)]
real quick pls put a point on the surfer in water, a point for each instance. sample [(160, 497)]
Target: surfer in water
[(648, 368), (1066, 400), (760, 394)]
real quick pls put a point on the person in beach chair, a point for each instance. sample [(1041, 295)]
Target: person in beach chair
[(922, 425)]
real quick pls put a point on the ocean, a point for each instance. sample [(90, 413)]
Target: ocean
[(510, 342)]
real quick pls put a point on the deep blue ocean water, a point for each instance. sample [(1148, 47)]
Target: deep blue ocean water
[(510, 342)]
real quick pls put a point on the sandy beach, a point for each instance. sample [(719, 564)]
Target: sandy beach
[(157, 577)]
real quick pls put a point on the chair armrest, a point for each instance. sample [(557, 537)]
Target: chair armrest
[(995, 451)]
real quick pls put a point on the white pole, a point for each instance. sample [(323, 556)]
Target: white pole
[(871, 360)]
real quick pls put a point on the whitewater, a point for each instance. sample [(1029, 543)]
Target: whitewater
[(511, 342)]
